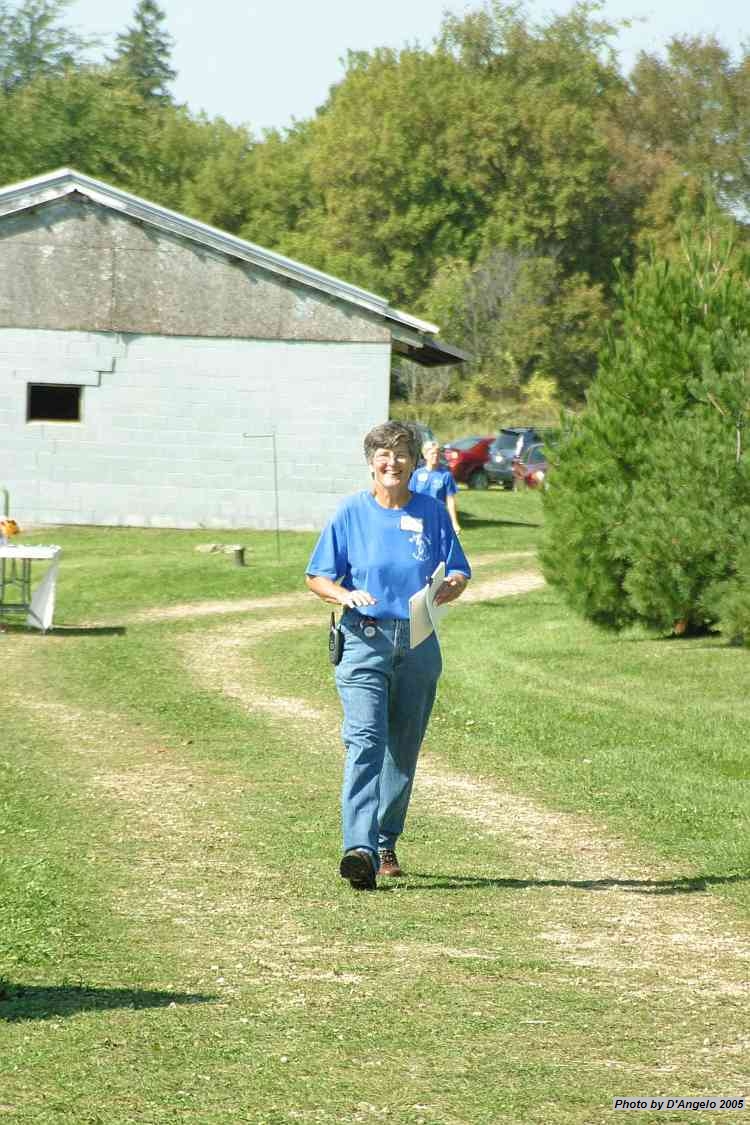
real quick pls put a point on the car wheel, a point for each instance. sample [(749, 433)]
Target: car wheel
[(479, 480)]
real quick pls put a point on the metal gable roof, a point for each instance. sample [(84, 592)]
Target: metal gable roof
[(415, 335)]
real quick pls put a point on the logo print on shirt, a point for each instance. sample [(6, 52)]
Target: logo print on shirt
[(421, 546)]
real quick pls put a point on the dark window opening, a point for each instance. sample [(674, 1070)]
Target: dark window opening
[(52, 403)]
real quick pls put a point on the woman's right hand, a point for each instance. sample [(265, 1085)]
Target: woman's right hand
[(331, 592), (353, 598)]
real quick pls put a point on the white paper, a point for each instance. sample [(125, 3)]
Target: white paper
[(424, 615)]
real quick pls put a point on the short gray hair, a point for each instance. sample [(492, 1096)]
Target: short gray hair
[(389, 434)]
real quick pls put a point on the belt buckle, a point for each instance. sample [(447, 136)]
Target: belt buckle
[(368, 626)]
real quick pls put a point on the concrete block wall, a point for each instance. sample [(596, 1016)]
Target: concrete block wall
[(175, 431)]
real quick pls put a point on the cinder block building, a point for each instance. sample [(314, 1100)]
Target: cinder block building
[(155, 371)]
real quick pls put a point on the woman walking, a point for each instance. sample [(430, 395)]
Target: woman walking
[(380, 548), (437, 482)]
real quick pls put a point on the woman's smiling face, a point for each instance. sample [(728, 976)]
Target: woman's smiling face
[(391, 468)]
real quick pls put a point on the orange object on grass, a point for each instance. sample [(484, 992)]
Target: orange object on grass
[(8, 527)]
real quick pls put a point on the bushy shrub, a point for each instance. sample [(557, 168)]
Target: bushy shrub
[(649, 505)]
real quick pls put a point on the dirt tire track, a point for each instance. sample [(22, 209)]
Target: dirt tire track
[(518, 582)]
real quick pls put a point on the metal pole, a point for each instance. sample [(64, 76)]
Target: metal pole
[(276, 496), (272, 436)]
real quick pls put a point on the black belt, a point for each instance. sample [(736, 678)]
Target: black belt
[(363, 621)]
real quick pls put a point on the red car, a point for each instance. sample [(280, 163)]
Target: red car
[(531, 468), (465, 458)]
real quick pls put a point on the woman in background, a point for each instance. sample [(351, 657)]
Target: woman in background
[(436, 482)]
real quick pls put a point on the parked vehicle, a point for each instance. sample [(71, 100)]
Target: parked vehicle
[(465, 457), (509, 443), (531, 467)]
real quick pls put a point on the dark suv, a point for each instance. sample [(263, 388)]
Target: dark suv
[(509, 443)]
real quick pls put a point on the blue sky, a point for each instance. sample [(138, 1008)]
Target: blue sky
[(265, 62)]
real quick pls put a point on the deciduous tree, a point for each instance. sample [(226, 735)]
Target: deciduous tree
[(693, 106), (518, 315), (86, 119)]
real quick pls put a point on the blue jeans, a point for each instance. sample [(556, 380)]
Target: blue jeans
[(387, 691)]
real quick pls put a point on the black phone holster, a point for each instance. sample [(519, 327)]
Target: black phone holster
[(335, 641)]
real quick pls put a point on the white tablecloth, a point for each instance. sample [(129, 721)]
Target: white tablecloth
[(41, 609)]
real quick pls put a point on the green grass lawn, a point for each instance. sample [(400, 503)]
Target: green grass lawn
[(116, 569), (175, 942)]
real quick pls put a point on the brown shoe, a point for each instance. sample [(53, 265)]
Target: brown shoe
[(389, 864), (358, 866)]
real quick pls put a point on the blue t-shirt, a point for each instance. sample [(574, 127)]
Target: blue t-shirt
[(434, 482), (390, 552)]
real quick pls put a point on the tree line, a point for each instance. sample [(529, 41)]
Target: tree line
[(502, 181)]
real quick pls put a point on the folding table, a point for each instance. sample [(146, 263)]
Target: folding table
[(16, 593)]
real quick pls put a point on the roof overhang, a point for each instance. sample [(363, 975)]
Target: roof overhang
[(418, 336), (430, 353)]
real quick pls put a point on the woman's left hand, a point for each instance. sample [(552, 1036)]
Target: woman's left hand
[(451, 588)]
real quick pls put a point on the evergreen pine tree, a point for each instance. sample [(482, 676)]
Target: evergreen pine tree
[(144, 52), (648, 510)]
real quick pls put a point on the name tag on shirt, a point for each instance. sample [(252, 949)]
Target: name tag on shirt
[(410, 523)]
